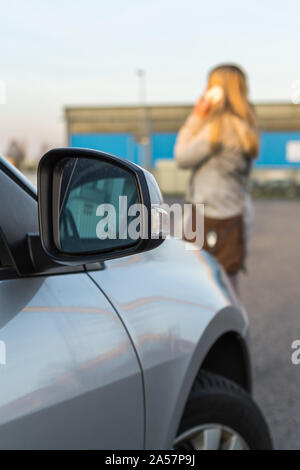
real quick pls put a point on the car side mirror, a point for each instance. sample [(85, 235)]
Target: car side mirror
[(94, 206)]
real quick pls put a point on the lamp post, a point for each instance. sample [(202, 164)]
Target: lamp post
[(145, 127), (142, 86)]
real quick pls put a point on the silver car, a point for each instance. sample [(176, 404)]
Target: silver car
[(117, 342)]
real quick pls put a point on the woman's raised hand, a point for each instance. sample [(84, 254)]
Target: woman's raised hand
[(202, 107)]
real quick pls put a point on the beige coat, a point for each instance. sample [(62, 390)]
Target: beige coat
[(220, 181)]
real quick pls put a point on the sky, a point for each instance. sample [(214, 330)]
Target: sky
[(61, 53)]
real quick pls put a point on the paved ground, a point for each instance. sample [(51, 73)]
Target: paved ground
[(271, 294)]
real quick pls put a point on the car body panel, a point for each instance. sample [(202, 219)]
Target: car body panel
[(175, 303), (72, 378)]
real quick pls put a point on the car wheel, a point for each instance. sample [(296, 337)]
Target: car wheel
[(220, 415)]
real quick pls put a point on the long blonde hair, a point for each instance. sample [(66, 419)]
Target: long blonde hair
[(234, 104)]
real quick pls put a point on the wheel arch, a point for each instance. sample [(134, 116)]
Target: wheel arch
[(235, 364), (227, 329)]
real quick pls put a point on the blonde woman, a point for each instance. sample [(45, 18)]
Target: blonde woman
[(218, 142)]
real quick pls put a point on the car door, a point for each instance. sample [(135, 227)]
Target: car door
[(71, 378)]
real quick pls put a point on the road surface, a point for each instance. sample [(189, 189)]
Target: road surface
[(271, 293)]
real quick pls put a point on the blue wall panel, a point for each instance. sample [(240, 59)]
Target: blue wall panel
[(162, 146), (122, 145), (272, 150)]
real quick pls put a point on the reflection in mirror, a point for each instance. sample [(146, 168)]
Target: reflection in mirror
[(94, 199)]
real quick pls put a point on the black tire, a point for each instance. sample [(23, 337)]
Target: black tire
[(215, 399)]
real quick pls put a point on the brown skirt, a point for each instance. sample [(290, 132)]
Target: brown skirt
[(224, 239)]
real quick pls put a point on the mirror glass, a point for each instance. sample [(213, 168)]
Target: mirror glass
[(97, 206)]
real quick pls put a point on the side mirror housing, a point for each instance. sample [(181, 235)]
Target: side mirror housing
[(94, 206)]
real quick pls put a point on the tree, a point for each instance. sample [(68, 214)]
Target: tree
[(16, 153)]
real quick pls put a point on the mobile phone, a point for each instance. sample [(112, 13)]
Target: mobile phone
[(214, 94)]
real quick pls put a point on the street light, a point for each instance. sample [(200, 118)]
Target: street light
[(145, 121), (142, 86)]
